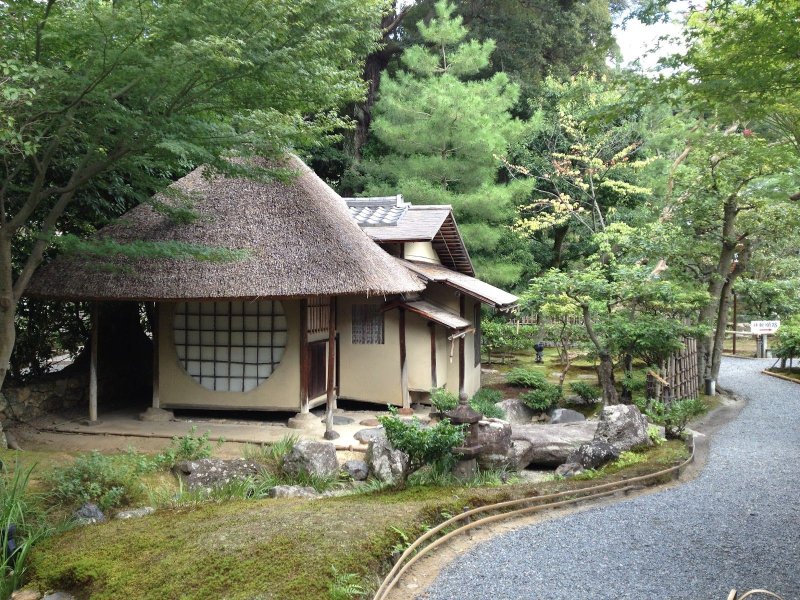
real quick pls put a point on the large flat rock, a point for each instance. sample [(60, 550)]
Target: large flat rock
[(548, 445)]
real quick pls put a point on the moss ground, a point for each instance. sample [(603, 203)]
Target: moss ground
[(793, 373), (265, 549)]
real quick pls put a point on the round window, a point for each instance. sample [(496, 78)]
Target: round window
[(230, 346)]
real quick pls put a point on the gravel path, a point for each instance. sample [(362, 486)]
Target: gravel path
[(737, 525)]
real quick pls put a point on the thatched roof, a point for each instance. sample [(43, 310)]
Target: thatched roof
[(299, 240)]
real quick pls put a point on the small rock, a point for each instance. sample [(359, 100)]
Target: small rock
[(594, 454), (3, 440), (26, 595), (385, 463), (369, 422), (517, 413), (356, 469), (314, 458), (208, 473), (565, 415), (623, 426), (89, 514), (135, 513), (568, 470), (292, 491), (156, 415), (59, 596), (365, 436)]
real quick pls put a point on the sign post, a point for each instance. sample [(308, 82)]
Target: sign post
[(762, 329)]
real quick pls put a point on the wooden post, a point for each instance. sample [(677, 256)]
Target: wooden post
[(156, 398), (405, 396), (462, 307), (432, 327), (304, 366), (93, 365), (330, 401)]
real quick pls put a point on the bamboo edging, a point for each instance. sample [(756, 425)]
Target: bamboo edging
[(595, 492)]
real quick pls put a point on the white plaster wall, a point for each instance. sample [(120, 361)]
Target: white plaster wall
[(280, 392), (421, 251)]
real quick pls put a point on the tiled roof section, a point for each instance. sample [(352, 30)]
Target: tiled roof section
[(428, 223), (480, 290), (382, 211)]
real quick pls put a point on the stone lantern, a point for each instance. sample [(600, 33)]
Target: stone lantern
[(463, 414)]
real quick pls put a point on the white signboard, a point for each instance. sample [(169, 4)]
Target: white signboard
[(764, 327)]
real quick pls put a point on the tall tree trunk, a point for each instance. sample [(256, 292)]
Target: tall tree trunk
[(605, 371), (709, 313), (375, 64), (8, 307), (559, 235), (724, 305)]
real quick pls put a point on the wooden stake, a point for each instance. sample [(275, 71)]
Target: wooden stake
[(156, 398)]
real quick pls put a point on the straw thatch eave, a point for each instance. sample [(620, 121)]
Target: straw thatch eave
[(298, 238)]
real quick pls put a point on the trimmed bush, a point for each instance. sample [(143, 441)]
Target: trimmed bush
[(529, 378), (443, 400), (585, 391), (542, 398)]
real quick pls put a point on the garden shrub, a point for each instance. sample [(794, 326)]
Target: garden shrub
[(108, 481), (187, 447), (542, 398), (529, 378), (485, 402), (787, 339), (675, 416), (423, 445), (443, 399), (585, 391)]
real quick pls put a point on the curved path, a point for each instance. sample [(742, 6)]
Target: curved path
[(737, 525)]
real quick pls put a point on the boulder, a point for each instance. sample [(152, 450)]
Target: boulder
[(568, 469), (135, 513), (317, 459), (385, 463), (547, 445), (365, 436), (565, 415), (26, 595), (59, 596), (356, 469), (208, 473), (292, 491), (516, 411), (3, 440), (495, 437), (89, 514), (594, 454), (623, 426)]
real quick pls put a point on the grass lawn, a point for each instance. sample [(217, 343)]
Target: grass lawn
[(249, 549)]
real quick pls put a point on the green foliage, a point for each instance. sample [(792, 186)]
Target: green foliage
[(655, 435), (186, 447), (271, 454), (16, 509), (502, 337), (585, 391), (524, 377), (345, 586), (441, 129), (787, 339), (543, 397), (485, 402), (443, 399), (423, 445), (674, 416), (108, 481)]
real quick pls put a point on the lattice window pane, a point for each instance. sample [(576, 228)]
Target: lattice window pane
[(230, 346), (367, 324)]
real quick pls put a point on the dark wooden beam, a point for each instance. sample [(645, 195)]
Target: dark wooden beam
[(406, 397), (462, 309), (93, 363), (330, 402), (156, 396), (432, 327), (304, 366)]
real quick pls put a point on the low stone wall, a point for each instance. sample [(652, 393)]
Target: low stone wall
[(36, 398)]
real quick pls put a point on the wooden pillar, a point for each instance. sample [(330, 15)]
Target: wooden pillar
[(432, 327), (93, 364), (304, 366), (330, 401), (735, 322), (406, 397), (156, 398), (462, 306)]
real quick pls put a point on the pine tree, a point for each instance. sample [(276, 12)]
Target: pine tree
[(443, 130)]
